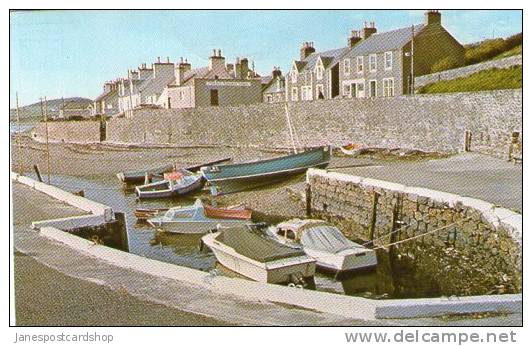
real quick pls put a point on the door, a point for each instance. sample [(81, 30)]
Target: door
[(214, 97), (360, 92)]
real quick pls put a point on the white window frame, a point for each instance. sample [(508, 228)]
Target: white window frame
[(373, 65), (306, 93), (388, 55), (318, 88), (295, 94), (347, 67), (293, 75), (320, 70), (360, 64), (388, 87)]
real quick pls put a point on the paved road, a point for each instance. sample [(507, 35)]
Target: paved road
[(474, 175)]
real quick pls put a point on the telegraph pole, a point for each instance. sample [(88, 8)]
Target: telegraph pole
[(412, 62)]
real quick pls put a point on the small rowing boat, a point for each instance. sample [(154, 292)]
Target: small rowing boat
[(174, 184)]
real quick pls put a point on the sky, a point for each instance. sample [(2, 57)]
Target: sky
[(72, 53)]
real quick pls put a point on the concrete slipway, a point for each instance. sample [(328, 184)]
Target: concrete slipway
[(237, 300)]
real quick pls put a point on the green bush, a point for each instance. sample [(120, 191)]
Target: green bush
[(493, 79), (447, 63), (489, 49)]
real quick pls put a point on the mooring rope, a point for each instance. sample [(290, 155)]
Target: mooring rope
[(424, 234)]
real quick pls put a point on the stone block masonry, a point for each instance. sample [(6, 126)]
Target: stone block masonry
[(492, 119), (468, 70), (424, 122), (471, 247)]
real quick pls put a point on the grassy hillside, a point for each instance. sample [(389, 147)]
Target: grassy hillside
[(490, 49), (494, 79), (53, 106), (518, 50)]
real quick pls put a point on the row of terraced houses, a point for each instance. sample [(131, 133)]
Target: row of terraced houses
[(371, 64)]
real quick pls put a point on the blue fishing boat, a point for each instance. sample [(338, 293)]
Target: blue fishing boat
[(222, 175)]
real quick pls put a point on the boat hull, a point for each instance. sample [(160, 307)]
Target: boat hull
[(143, 193), (279, 271), (195, 227), (348, 260), (140, 176), (271, 169)]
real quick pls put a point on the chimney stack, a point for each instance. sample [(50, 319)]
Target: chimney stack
[(217, 62), (306, 49), (276, 73), (432, 17), (368, 30), (354, 38)]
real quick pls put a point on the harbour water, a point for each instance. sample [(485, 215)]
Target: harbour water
[(184, 250)]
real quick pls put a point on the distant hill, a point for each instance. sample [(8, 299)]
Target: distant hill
[(53, 106)]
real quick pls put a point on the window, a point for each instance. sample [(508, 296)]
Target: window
[(360, 64), (294, 94), (306, 93), (346, 90), (214, 97), (373, 62), (319, 70), (269, 98), (388, 59), (347, 67), (319, 92), (387, 87)]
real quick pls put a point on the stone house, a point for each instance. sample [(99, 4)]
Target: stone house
[(315, 75), (107, 102), (218, 84), (144, 86), (273, 87), (380, 64)]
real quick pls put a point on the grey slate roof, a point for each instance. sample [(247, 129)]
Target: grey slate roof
[(273, 86), (153, 86), (385, 41), (329, 58)]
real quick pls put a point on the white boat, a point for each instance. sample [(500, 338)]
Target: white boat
[(174, 184), (199, 218), (324, 242), (259, 258)]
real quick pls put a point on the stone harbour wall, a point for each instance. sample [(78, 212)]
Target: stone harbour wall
[(82, 131), (423, 122), (468, 70), (471, 247)]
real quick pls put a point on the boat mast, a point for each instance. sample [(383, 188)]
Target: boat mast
[(290, 127)]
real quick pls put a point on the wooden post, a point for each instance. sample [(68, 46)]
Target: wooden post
[(412, 61), (373, 219), (36, 168), (47, 142), (308, 200), (17, 138)]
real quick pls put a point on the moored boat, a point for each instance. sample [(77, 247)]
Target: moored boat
[(259, 258), (134, 177), (324, 242), (174, 184), (199, 218), (223, 175)]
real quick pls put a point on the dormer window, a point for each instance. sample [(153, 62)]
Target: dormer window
[(319, 70), (293, 75)]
